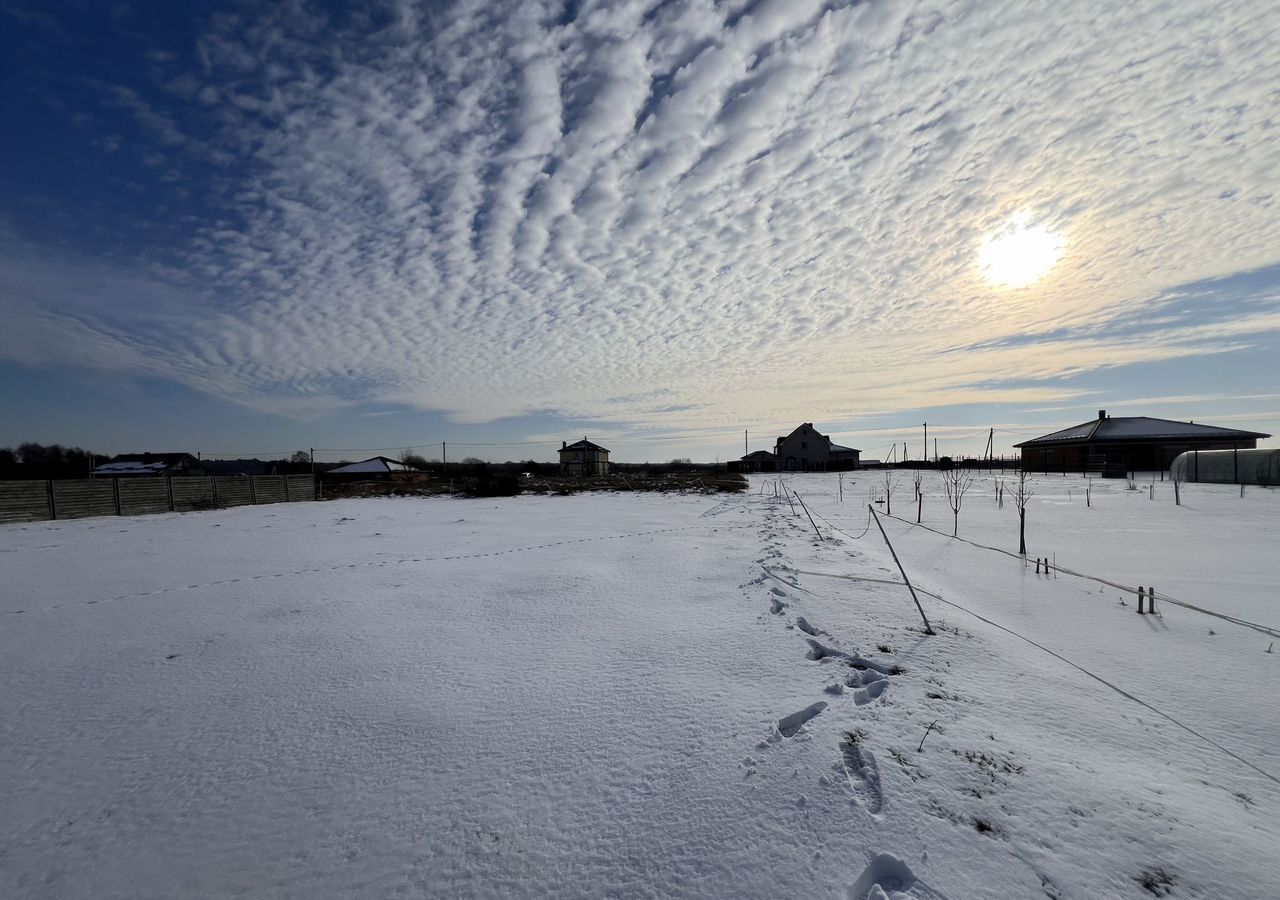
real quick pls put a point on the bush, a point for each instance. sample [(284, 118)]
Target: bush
[(488, 485)]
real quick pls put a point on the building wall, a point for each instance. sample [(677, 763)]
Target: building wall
[(804, 450), (1147, 456), (584, 462)]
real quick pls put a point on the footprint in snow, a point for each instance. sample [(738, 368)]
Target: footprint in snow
[(887, 877), (867, 685), (862, 773), (789, 726), (803, 624)]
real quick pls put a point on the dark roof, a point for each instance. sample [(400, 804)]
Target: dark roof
[(167, 458), (238, 467), (1139, 428), (835, 448), (759, 454), (583, 444)]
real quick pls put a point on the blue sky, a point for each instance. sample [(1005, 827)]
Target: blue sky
[(291, 225)]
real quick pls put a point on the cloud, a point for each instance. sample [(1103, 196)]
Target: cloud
[(753, 209)]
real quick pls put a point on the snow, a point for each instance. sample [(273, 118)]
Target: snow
[(642, 696), (131, 468)]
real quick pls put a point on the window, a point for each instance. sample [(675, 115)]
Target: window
[(804, 445)]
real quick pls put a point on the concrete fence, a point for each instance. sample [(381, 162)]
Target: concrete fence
[(34, 501)]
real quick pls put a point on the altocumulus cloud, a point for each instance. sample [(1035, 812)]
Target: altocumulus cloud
[(669, 214)]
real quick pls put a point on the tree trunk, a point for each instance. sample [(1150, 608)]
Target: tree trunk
[(955, 524), (919, 505), (1022, 531)]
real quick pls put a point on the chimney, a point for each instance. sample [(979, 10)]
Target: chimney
[(1102, 414), (564, 445)]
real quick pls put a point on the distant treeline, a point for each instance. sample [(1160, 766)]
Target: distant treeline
[(52, 461), (40, 461)]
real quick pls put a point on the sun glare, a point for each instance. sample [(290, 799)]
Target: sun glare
[(1019, 254)]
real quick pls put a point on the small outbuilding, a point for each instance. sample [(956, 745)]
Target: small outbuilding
[(1117, 446), (583, 458), (1228, 467)]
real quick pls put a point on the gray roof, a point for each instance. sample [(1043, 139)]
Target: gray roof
[(1140, 428), (836, 448), (583, 444)]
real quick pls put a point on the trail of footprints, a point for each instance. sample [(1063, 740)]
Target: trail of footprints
[(863, 680)]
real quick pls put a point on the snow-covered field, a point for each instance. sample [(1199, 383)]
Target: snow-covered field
[(643, 696)]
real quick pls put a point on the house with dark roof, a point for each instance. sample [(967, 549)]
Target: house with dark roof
[(758, 461), (134, 465), (807, 450), (583, 458), (1117, 446)]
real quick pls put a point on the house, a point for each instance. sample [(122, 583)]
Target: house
[(239, 467), (583, 458), (1117, 446), (375, 466), (758, 461), (805, 450), (131, 465)]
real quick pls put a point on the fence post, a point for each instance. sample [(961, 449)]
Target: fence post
[(168, 479), (253, 491), (115, 493), (1141, 598), (1151, 600), (213, 486), (53, 505), (928, 629)]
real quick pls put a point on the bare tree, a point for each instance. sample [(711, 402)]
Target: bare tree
[(1021, 494), (890, 482), (956, 482), (411, 458)]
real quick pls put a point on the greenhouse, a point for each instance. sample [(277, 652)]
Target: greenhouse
[(1228, 466)]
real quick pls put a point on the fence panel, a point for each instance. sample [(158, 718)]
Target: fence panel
[(24, 501), (193, 493), (270, 488), (29, 501), (139, 496), (300, 487), (79, 499), (234, 490)]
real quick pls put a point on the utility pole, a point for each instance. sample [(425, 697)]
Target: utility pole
[(926, 441), (444, 457), (313, 460), (746, 448), (935, 449)]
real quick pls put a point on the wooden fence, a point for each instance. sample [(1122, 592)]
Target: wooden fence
[(34, 501)]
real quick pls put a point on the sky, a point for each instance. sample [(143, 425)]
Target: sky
[(246, 229)]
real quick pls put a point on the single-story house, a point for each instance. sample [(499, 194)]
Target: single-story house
[(806, 450), (376, 465), (583, 458), (133, 465), (240, 467), (1116, 446), (758, 461)]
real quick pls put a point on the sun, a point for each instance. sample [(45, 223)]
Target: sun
[(1020, 253)]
